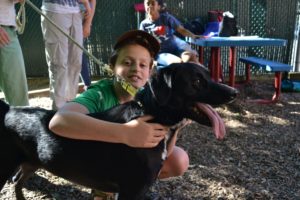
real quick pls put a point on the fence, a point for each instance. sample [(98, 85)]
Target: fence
[(266, 18)]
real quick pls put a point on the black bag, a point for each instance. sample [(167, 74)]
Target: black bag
[(196, 26), (228, 26)]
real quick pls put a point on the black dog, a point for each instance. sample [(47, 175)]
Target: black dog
[(172, 94)]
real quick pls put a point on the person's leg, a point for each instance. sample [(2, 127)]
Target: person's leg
[(56, 49), (165, 59), (185, 51), (12, 72), (189, 56), (183, 45), (175, 165), (85, 72), (74, 57)]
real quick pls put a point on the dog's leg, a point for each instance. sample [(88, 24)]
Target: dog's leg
[(9, 160), (134, 191), (17, 176), (25, 171)]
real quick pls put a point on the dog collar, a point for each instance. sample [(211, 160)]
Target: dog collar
[(127, 86)]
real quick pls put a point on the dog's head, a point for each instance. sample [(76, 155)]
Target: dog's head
[(185, 83), (186, 90)]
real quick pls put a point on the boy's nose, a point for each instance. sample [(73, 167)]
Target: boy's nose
[(134, 67)]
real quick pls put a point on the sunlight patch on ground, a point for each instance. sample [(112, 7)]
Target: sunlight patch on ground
[(222, 189), (295, 113), (279, 121), (272, 119), (294, 103), (235, 124)]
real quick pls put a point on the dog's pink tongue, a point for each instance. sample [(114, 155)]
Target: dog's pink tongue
[(216, 121)]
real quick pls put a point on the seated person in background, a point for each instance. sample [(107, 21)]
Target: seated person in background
[(162, 25)]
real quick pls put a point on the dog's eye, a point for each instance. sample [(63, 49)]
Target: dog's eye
[(199, 83)]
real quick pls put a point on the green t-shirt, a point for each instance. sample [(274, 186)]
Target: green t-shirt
[(99, 97)]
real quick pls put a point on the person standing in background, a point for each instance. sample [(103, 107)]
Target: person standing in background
[(13, 80), (62, 55), (87, 25)]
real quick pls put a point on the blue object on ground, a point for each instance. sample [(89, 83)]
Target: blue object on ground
[(290, 86)]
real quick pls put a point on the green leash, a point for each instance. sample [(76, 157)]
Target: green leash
[(21, 19)]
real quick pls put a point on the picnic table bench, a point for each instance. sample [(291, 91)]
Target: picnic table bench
[(269, 66)]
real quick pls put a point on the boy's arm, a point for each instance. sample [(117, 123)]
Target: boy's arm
[(71, 121)]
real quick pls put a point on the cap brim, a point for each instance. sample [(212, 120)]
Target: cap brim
[(131, 35)]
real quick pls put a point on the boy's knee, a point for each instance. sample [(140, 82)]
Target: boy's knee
[(182, 165)]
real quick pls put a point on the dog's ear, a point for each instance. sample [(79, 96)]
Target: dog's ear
[(161, 85)]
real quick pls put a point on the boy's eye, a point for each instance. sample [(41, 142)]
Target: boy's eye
[(127, 62), (143, 65)]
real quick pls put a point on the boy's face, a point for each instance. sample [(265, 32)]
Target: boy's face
[(133, 64)]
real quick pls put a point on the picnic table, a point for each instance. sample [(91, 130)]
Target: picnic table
[(232, 42)]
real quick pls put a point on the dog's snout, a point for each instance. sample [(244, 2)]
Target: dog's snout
[(234, 94)]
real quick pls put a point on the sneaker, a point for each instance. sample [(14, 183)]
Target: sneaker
[(100, 195)]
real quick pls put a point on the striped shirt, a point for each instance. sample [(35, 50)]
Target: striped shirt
[(7, 13), (61, 6)]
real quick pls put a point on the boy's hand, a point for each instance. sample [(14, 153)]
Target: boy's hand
[(144, 134), (4, 38)]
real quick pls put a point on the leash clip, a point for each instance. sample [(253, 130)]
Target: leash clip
[(140, 104), (127, 86)]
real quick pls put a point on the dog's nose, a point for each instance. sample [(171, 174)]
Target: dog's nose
[(234, 94)]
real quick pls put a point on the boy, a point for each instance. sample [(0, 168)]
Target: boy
[(132, 60)]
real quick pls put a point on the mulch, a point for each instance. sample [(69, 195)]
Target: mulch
[(258, 159)]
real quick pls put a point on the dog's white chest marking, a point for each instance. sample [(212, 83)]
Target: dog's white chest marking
[(164, 154), (173, 130)]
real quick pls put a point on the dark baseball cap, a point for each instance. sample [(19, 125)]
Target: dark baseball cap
[(139, 37)]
